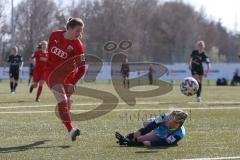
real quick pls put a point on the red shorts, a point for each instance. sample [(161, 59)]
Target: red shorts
[(38, 75), (60, 77)]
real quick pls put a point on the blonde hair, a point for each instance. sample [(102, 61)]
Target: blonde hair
[(178, 115), (15, 48)]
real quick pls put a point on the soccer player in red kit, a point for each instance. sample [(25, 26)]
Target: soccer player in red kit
[(65, 66), (40, 57)]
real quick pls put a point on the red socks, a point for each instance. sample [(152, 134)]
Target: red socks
[(39, 91), (64, 114)]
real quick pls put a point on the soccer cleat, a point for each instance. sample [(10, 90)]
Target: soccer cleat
[(31, 89), (199, 99), (37, 100), (74, 134)]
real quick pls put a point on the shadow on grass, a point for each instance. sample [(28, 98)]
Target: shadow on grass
[(32, 146), (19, 101), (148, 149), (155, 149)]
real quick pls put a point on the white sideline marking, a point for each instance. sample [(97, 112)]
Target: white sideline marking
[(123, 110), (122, 103), (218, 158)]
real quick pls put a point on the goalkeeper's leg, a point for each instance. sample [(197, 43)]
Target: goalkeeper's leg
[(129, 140)]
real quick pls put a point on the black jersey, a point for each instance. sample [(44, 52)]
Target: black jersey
[(15, 61), (199, 58), (125, 68), (151, 70)]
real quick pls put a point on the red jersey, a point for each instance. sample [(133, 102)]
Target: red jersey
[(40, 59), (64, 59), (61, 49)]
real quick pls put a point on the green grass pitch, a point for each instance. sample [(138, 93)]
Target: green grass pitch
[(212, 129)]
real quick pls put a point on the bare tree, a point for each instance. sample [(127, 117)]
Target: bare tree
[(4, 29), (163, 32), (34, 21)]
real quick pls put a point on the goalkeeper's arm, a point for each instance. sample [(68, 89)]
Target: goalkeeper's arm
[(168, 141), (152, 125)]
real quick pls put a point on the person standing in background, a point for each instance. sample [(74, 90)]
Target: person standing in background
[(15, 66)]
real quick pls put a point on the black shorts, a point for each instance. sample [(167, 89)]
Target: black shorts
[(31, 72), (125, 75), (14, 73), (197, 71)]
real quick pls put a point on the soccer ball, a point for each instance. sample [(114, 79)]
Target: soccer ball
[(189, 86)]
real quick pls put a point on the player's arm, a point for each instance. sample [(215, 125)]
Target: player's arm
[(80, 61), (80, 56), (51, 41), (33, 58), (190, 62), (121, 69), (128, 69), (34, 55), (208, 62), (151, 126), (208, 68), (9, 59), (21, 63), (170, 140)]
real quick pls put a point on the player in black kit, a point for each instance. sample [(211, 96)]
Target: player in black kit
[(16, 62), (125, 73), (196, 65)]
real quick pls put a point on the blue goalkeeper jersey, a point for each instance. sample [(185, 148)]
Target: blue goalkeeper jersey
[(163, 132)]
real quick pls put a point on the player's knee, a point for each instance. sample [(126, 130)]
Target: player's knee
[(70, 89), (41, 82), (60, 97)]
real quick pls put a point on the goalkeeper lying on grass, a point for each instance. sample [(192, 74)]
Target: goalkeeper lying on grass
[(164, 130)]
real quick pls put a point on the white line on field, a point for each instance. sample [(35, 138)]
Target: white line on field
[(123, 110), (122, 103), (79, 104), (217, 158)]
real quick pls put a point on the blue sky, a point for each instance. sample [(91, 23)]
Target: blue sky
[(226, 10)]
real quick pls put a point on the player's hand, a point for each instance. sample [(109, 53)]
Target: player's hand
[(205, 74), (190, 66)]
